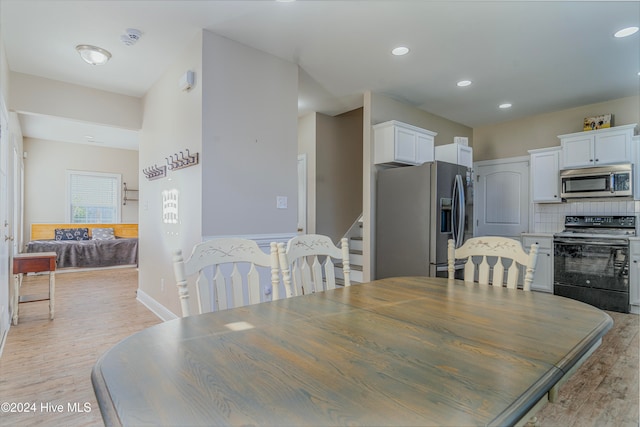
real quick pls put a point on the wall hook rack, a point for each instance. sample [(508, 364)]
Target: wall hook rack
[(181, 161), (155, 172)]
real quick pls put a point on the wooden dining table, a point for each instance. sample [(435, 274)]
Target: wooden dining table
[(409, 351)]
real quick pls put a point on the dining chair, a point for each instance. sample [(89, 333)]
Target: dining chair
[(225, 267), (508, 253), (307, 266)]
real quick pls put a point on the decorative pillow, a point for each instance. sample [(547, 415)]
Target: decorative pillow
[(102, 234), (72, 234)]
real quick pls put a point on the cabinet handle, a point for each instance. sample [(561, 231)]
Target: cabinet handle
[(597, 160)]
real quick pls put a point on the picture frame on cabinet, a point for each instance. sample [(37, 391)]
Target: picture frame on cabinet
[(598, 122)]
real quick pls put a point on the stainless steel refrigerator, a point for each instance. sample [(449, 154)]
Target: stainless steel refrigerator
[(418, 209)]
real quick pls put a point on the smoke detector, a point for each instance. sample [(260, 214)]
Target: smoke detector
[(130, 36)]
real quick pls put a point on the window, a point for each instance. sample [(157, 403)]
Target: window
[(93, 197)]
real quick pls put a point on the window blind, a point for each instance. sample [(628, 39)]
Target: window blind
[(94, 198)]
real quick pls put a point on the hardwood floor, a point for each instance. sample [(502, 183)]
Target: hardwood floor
[(605, 391), (48, 363)]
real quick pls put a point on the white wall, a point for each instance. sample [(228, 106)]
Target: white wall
[(172, 123), (241, 117), (250, 113), (45, 177), (38, 95), (4, 73)]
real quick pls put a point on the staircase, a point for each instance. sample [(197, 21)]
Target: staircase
[(355, 254)]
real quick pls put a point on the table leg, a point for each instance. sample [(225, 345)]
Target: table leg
[(17, 281), (52, 289)]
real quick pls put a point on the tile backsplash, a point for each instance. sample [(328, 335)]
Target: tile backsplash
[(549, 217)]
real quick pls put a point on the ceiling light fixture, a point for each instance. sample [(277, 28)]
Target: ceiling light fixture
[(626, 32), (464, 83), (400, 50), (505, 106), (93, 55)]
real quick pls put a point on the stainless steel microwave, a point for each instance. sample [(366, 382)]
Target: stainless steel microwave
[(602, 181)]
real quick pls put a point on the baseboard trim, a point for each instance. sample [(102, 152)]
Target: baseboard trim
[(154, 306)]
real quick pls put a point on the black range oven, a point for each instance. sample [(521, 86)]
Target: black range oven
[(591, 260)]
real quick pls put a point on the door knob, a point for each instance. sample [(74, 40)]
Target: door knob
[(8, 238)]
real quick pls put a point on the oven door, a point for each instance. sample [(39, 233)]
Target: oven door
[(595, 271)]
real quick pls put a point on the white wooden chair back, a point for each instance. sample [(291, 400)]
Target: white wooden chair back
[(221, 265), (476, 250), (307, 264)]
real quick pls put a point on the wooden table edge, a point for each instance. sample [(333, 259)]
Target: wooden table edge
[(105, 403), (591, 340), (520, 407), (523, 404)]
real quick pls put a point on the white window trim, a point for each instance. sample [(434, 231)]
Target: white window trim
[(118, 178)]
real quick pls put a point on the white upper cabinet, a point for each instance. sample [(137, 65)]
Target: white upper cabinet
[(455, 153), (545, 175), (397, 142), (597, 147)]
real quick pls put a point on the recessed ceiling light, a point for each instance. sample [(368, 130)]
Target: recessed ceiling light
[(400, 50), (93, 55), (463, 83), (505, 105), (626, 32)]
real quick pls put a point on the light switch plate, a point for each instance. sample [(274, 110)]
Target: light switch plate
[(281, 202)]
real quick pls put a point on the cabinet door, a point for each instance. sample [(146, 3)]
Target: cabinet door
[(465, 156), (545, 176), (634, 277), (405, 145), (612, 148), (424, 148), (635, 149), (543, 276), (577, 151)]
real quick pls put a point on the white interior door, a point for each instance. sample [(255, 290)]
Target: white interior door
[(502, 197), (302, 193), (5, 235)]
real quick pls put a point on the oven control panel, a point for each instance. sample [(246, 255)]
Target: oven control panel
[(616, 221)]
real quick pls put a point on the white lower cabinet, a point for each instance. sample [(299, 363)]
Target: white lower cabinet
[(543, 277), (634, 276)]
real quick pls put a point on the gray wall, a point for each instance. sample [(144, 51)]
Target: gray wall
[(249, 146), (338, 172), (515, 138)]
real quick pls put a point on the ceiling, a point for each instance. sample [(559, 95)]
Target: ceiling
[(540, 56)]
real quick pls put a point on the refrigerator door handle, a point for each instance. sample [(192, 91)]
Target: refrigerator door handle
[(454, 211), (460, 211)]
